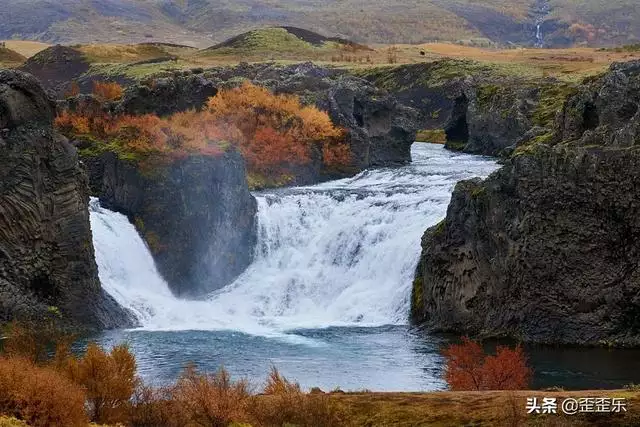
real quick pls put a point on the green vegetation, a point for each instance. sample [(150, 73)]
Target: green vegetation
[(417, 298), (456, 145), (486, 94), (552, 97), (436, 136)]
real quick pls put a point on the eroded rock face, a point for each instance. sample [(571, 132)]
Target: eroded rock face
[(46, 250), (547, 248), (381, 130), (196, 214), (606, 111), (489, 119)]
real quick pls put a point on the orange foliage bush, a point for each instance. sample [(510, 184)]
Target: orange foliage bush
[(39, 395), (108, 378), (107, 91), (275, 133), (74, 90), (469, 368)]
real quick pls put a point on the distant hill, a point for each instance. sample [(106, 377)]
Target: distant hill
[(9, 57), (203, 23), (285, 42)]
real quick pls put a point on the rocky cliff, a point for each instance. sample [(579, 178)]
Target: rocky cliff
[(46, 250), (482, 109), (381, 130), (547, 248), (196, 214)]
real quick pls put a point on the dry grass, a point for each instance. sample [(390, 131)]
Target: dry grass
[(26, 48), (490, 408), (139, 60), (126, 53)]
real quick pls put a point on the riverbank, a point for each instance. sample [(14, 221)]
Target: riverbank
[(485, 408)]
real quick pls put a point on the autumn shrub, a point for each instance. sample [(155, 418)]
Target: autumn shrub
[(469, 368), (74, 90), (284, 403), (152, 407), (211, 399), (276, 134), (276, 131), (109, 380), (36, 342), (107, 91), (40, 396)]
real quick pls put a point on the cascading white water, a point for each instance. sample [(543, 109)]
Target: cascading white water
[(336, 254)]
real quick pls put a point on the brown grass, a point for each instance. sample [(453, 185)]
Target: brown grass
[(26, 47), (488, 408)]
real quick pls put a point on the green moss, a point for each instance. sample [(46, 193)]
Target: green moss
[(455, 145), (139, 223), (478, 191), (135, 72), (440, 228), (486, 94), (417, 300), (551, 99), (153, 240), (437, 136)]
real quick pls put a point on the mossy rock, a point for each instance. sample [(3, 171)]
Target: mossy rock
[(417, 300)]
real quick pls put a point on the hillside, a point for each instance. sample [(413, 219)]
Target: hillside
[(203, 23), (10, 58)]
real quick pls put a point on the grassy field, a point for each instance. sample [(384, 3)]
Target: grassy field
[(284, 46), (26, 48), (492, 408)]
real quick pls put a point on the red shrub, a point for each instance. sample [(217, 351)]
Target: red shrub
[(469, 368)]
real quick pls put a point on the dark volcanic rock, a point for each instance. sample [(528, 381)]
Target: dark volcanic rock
[(168, 95), (197, 215), (547, 248), (606, 110), (46, 250), (482, 110), (56, 67)]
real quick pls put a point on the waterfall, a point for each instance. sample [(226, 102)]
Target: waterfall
[(341, 253), (540, 11)]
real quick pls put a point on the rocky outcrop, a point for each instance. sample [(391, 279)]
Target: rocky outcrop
[(381, 130), (547, 249), (46, 250), (482, 110), (165, 95), (605, 111), (196, 214), (56, 67)]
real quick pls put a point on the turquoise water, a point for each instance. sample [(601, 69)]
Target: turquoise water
[(389, 358)]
